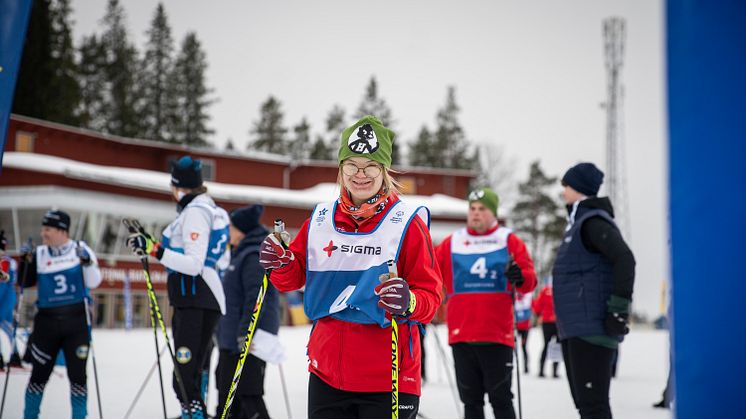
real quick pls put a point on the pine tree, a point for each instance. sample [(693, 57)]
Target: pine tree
[(496, 170), (421, 150), (269, 130), (159, 97), (325, 145), (451, 145), (93, 107), (300, 144), (373, 104), (47, 87), (536, 215), (192, 94), (123, 93), (229, 145)]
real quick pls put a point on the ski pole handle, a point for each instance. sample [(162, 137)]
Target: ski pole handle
[(281, 233)]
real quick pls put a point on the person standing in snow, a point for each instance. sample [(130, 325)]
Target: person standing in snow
[(191, 248), (523, 322), (8, 273), (543, 306), (241, 282), (340, 255), (63, 270), (482, 265), (594, 275)]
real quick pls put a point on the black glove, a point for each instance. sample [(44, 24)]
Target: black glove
[(616, 324), (514, 274), (83, 255)]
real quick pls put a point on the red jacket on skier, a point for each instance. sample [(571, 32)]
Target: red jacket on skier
[(483, 316)]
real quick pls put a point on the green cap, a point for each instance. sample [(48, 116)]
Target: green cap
[(487, 197), (367, 138)]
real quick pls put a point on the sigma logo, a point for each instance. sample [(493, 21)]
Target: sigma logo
[(350, 248)]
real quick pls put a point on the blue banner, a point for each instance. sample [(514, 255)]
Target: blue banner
[(706, 56), (14, 16)]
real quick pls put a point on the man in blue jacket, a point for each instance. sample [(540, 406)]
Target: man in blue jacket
[(594, 275), (241, 282)]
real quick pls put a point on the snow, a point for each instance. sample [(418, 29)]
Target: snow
[(125, 357)]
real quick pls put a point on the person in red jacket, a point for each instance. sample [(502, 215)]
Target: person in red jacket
[(523, 322), (340, 255), (482, 265), (543, 306)]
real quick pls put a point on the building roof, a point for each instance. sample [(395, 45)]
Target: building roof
[(439, 205)]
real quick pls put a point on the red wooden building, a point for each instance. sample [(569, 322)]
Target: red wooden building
[(100, 179)]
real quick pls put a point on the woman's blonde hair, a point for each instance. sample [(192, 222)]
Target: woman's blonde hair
[(389, 183)]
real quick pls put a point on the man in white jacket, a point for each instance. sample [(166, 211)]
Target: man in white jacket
[(191, 248)]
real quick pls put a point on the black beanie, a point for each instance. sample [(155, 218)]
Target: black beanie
[(56, 219), (585, 178), (247, 218), (186, 173)]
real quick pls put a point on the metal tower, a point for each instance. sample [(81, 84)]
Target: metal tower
[(614, 33)]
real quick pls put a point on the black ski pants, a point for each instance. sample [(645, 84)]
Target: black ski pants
[(549, 330), (589, 374), (192, 329), (484, 368), (327, 402), (524, 342), (248, 402), (60, 330)]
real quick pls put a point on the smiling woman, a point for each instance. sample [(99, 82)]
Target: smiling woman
[(342, 257)]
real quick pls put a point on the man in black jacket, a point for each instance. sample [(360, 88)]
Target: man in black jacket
[(241, 282), (594, 276)]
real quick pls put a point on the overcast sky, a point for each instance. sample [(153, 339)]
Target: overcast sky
[(529, 76)]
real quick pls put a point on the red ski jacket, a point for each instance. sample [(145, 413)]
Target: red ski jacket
[(543, 305), (483, 317), (357, 357)]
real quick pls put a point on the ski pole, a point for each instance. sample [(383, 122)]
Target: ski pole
[(158, 359), (89, 324), (135, 227), (285, 392), (394, 354), (145, 382), (16, 317), (278, 232), (515, 346), (442, 354), (93, 355)]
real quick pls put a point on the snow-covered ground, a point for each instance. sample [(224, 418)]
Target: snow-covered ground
[(124, 359)]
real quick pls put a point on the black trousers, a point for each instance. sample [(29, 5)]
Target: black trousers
[(327, 402), (68, 332), (589, 375), (248, 402), (192, 329), (480, 369), (550, 331), (524, 341)]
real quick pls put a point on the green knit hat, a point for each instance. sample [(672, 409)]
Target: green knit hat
[(487, 197), (367, 138)]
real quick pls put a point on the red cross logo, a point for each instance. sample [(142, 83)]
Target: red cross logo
[(329, 249)]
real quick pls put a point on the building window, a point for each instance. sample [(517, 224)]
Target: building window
[(408, 185), (25, 141)]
